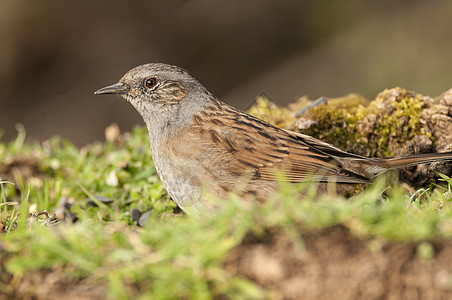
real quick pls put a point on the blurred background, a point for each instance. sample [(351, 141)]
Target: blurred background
[(55, 54)]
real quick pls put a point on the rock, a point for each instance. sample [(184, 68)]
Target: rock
[(100, 198), (143, 219), (135, 214)]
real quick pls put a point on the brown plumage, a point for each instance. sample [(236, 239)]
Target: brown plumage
[(201, 144)]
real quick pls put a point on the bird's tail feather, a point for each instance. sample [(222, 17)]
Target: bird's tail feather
[(413, 160), (375, 166)]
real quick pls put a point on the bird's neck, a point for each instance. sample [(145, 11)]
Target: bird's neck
[(167, 122)]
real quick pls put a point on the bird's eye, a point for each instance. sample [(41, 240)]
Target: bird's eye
[(150, 82)]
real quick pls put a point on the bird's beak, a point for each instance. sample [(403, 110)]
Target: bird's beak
[(117, 88)]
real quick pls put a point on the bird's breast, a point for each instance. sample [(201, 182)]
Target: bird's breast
[(179, 174)]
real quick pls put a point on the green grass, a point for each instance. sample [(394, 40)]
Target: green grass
[(174, 256)]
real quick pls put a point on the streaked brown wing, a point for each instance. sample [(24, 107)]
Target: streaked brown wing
[(256, 146), (305, 161)]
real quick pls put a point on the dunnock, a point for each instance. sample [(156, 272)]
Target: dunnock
[(201, 144)]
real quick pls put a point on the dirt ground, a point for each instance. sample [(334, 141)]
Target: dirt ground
[(337, 265), (333, 264)]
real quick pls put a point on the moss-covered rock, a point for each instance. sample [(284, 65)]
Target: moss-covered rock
[(397, 122)]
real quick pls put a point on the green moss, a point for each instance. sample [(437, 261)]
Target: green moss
[(334, 122), (398, 120), (284, 117)]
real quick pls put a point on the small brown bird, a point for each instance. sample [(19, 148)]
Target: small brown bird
[(201, 144)]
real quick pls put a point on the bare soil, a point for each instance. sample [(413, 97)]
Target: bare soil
[(336, 264), (331, 263)]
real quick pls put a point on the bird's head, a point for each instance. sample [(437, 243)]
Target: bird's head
[(161, 93)]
